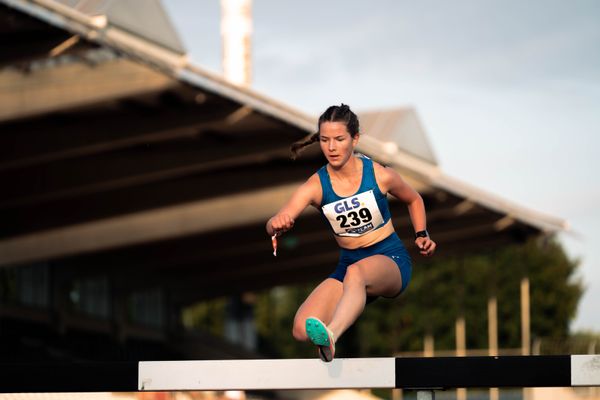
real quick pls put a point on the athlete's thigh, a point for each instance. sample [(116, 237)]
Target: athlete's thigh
[(322, 302), (381, 274)]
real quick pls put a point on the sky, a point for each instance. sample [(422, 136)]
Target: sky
[(508, 91)]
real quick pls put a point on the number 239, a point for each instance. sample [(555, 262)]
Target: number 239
[(354, 218)]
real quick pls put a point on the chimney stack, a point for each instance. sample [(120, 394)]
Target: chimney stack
[(236, 31)]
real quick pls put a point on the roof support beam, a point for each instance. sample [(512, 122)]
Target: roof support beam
[(160, 224), (64, 46), (159, 175)]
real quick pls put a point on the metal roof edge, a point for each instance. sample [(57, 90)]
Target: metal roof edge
[(197, 76), (545, 222), (394, 156), (97, 29), (175, 65), (434, 176), (407, 111), (39, 9)]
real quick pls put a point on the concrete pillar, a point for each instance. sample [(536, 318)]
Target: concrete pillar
[(525, 327), (493, 336), (525, 318), (397, 394), (428, 345), (236, 32), (461, 349)]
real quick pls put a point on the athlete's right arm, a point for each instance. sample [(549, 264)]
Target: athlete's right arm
[(308, 193)]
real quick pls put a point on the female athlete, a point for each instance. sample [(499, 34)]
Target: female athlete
[(350, 191)]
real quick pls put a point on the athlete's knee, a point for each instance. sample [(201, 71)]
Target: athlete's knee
[(354, 275), (299, 329)]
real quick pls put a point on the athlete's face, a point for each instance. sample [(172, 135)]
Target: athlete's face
[(336, 142)]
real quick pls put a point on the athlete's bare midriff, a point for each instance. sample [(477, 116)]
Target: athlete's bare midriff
[(367, 239)]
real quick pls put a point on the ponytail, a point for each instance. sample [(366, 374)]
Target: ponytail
[(297, 147)]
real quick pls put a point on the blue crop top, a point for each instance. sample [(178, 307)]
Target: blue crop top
[(361, 213)]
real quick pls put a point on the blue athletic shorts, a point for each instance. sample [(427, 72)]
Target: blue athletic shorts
[(391, 246)]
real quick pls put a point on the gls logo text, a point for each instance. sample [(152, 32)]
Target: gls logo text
[(343, 206)]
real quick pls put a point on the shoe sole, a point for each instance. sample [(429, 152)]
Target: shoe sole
[(316, 332), (325, 353)]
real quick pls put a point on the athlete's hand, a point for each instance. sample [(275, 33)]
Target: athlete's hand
[(426, 246), (281, 223)]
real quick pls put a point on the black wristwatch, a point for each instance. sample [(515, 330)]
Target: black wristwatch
[(421, 234)]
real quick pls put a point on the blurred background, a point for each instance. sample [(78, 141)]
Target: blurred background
[(144, 144)]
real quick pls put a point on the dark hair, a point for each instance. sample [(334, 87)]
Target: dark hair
[(341, 113)]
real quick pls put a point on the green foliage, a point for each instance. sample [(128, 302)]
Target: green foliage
[(8, 285), (578, 343), (442, 290), (208, 316), (274, 315), (555, 291), (587, 337)]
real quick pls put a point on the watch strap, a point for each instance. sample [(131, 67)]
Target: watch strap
[(422, 233)]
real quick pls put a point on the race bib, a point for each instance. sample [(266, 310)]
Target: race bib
[(354, 216)]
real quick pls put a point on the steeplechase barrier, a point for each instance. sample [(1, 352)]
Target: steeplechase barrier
[(421, 374)]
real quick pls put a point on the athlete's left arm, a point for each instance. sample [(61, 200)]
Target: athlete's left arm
[(391, 182)]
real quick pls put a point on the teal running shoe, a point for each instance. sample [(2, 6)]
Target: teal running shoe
[(322, 337)]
